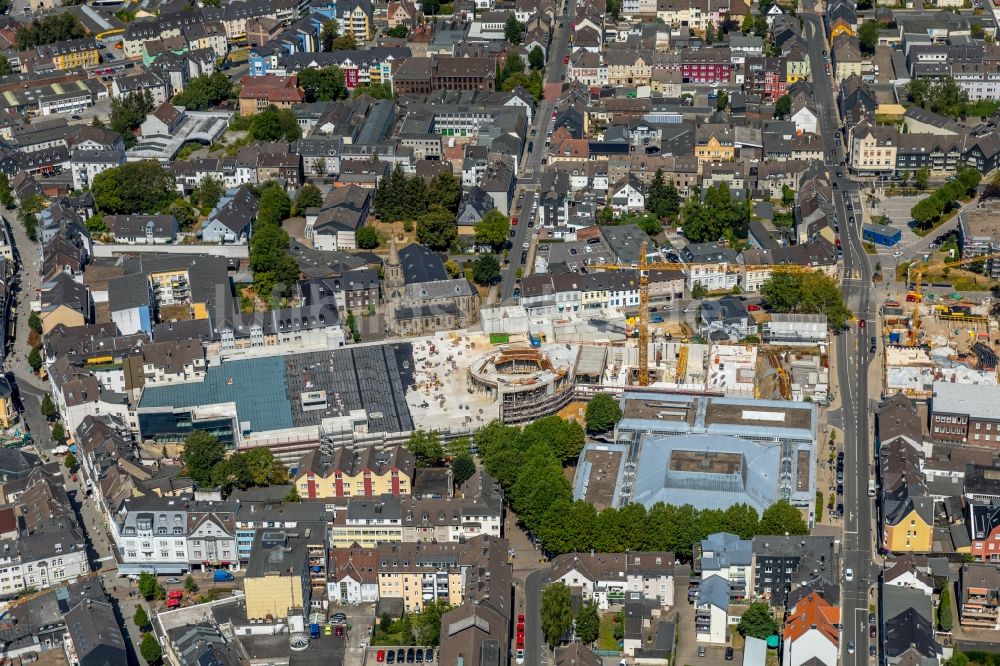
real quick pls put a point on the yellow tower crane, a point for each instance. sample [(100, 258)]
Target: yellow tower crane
[(917, 275), (643, 268)]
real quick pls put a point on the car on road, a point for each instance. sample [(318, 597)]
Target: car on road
[(835, 186), (534, 131), (897, 254), (850, 647), (513, 221), (848, 574), (861, 323), (525, 245), (513, 232), (524, 258), (565, 60)]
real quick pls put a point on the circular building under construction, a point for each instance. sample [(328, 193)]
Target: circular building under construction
[(528, 383)]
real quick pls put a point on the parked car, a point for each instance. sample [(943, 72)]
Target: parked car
[(729, 654), (872, 652), (429, 655), (173, 581), (701, 650), (390, 658), (380, 656)]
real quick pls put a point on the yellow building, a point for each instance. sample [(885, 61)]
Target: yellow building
[(714, 143), (286, 571), (797, 66), (8, 413), (355, 473), (910, 532), (840, 27), (873, 148), (422, 572), (70, 54)]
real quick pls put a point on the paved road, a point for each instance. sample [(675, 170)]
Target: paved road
[(852, 373), (535, 652), (531, 162)]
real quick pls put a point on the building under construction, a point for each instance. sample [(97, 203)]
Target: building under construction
[(526, 382)]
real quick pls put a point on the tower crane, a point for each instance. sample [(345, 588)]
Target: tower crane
[(917, 290), (645, 265)]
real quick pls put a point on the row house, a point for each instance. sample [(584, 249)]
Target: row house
[(872, 148), (963, 413), (979, 603), (614, 578), (383, 519), (712, 66), (907, 509), (984, 531), (710, 265), (979, 80), (589, 69), (766, 76), (355, 473), (174, 535), (760, 264)]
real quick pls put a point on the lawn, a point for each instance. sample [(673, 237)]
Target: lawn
[(870, 248), (606, 638)]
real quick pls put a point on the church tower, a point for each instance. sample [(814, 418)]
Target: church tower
[(393, 271)]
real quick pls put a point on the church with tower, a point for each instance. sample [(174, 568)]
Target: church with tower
[(421, 298)]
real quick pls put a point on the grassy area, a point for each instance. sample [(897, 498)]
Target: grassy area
[(186, 150), (929, 230), (901, 271), (606, 638), (870, 248)]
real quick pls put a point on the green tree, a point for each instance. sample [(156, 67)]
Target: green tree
[(757, 621), (367, 238), (427, 623), (944, 608), (787, 195), (345, 43), (436, 228), (6, 195), (557, 613), (35, 322), (588, 623), (48, 408), (274, 270), (493, 229), (783, 518), (603, 413), (140, 617), (275, 206), (742, 520), (149, 587), (921, 178), (536, 57), (53, 28), (5, 68), (323, 84), (374, 90), (190, 586), (462, 468), (868, 37), (58, 432), (70, 460), (128, 112), (781, 291), (204, 92), (662, 199), (722, 101), (328, 33), (710, 35), (208, 192), (426, 448), (202, 452), (150, 649), (919, 91), (292, 496), (747, 26), (133, 188), (307, 197), (274, 124), (35, 359), (513, 30), (783, 107), (486, 269), (445, 190), (184, 212), (398, 32), (95, 224)]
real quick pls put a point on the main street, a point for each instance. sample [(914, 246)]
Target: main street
[(530, 171), (852, 360)]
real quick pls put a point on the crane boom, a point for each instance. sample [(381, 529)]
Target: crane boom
[(645, 265), (918, 275)]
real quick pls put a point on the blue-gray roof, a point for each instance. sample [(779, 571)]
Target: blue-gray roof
[(257, 386), (726, 550), (714, 591), (754, 481)]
